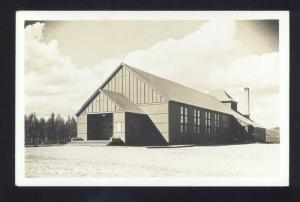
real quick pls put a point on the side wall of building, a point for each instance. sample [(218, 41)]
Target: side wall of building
[(140, 130), (193, 125), (241, 132), (260, 135), (159, 115)]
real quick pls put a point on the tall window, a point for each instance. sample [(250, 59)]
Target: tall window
[(198, 121), (195, 122), (214, 123), (225, 124), (217, 124), (196, 126), (225, 121), (183, 119), (207, 123), (186, 120)]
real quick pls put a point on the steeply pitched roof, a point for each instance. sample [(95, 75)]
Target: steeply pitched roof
[(122, 101), (96, 92), (172, 91), (183, 94)]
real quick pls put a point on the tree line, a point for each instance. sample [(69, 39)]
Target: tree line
[(54, 130)]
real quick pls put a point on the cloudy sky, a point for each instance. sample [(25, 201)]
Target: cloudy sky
[(65, 61)]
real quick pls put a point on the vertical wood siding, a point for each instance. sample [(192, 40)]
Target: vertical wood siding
[(140, 130), (101, 104), (137, 91), (260, 135), (133, 87)]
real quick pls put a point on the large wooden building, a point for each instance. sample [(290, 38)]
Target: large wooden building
[(143, 109)]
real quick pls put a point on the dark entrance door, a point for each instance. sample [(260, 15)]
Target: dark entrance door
[(99, 126)]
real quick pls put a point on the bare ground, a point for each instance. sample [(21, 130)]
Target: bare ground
[(120, 161)]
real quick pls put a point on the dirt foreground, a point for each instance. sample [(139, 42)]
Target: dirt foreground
[(121, 161)]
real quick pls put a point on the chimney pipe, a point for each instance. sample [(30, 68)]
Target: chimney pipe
[(247, 90)]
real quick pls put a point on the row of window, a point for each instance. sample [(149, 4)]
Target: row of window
[(260, 132), (212, 124)]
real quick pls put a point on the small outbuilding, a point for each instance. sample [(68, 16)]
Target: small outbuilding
[(143, 109)]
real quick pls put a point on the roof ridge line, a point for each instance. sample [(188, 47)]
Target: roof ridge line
[(195, 91)]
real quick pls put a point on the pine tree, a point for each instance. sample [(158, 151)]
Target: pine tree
[(54, 130), (43, 133), (73, 128)]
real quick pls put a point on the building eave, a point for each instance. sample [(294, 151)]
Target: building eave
[(88, 101)]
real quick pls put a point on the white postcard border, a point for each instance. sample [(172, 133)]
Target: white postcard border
[(282, 16)]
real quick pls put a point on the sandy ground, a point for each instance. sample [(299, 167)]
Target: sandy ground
[(107, 161)]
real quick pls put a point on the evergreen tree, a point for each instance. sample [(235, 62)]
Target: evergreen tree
[(35, 130), (73, 128), (54, 130), (43, 133)]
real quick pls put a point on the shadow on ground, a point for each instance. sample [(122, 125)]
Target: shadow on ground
[(195, 145)]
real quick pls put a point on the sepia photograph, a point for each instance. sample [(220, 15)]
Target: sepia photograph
[(152, 98)]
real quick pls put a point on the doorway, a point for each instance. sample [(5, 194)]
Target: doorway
[(99, 126)]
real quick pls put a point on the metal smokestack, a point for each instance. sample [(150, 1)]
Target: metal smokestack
[(247, 90)]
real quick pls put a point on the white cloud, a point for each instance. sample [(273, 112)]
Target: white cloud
[(53, 82), (206, 59), (211, 58)]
